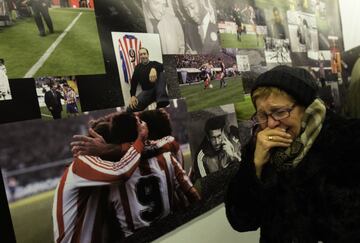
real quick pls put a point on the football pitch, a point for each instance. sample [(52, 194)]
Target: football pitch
[(31, 218), (45, 113), (77, 53), (244, 109), (228, 40), (198, 98)]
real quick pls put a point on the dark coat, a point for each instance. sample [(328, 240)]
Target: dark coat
[(53, 102), (319, 200)]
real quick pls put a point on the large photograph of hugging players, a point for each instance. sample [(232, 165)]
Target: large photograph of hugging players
[(105, 175)]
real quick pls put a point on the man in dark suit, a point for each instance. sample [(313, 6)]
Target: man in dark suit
[(40, 8), (201, 32), (53, 101)]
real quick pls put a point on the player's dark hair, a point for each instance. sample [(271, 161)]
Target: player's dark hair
[(102, 127), (305, 23), (123, 128), (158, 123), (213, 123)]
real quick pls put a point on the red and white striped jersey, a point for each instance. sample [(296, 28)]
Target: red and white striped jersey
[(129, 46), (76, 213), (150, 193)]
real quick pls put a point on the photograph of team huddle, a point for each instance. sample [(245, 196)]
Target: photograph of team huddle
[(128, 168)]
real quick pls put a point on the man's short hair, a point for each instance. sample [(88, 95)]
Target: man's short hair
[(123, 128), (143, 48), (102, 127), (158, 123), (214, 123)]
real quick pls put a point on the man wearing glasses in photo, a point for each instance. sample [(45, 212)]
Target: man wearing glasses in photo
[(299, 176)]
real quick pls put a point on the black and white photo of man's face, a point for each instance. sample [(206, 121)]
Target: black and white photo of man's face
[(195, 10), (216, 138), (157, 8)]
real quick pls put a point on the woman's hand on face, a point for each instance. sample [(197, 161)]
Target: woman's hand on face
[(265, 140)]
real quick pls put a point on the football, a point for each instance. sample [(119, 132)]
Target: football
[(210, 86)]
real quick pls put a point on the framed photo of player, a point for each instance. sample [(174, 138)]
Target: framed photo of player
[(209, 80), (127, 48), (5, 93), (302, 32), (58, 97), (215, 146), (62, 42)]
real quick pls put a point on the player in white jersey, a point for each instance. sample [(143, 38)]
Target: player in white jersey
[(76, 203), (159, 183)]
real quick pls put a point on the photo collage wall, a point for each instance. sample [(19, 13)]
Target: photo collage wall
[(79, 69)]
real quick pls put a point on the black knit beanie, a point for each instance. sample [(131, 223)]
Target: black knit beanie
[(297, 82)]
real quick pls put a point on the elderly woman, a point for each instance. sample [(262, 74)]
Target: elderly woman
[(299, 178)]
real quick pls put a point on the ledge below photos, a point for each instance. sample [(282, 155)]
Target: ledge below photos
[(211, 227)]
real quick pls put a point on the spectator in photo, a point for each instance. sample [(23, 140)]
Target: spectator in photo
[(237, 16), (150, 76), (298, 178), (12, 185), (277, 28), (41, 10), (201, 32), (53, 101), (249, 11), (159, 18), (216, 151), (222, 73)]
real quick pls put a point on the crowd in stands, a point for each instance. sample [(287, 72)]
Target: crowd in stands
[(12, 11), (41, 143), (195, 61), (38, 142)]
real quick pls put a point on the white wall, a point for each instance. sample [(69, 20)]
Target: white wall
[(349, 11)]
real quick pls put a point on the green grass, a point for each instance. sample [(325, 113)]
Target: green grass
[(244, 109), (45, 111), (78, 53), (198, 98), (32, 219), (248, 41)]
